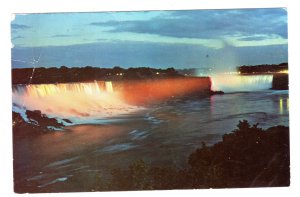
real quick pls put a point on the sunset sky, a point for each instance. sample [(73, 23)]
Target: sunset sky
[(221, 39)]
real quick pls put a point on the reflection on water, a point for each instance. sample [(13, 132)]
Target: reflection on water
[(280, 105), (283, 105)]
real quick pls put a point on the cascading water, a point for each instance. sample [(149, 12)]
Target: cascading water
[(241, 83), (75, 101)]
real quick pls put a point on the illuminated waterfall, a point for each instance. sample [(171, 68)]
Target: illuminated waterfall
[(240, 83), (108, 86), (43, 90), (67, 100)]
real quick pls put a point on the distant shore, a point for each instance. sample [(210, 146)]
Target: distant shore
[(64, 74)]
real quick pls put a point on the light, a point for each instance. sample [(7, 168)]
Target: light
[(109, 86), (280, 105), (73, 100), (284, 71), (157, 73)]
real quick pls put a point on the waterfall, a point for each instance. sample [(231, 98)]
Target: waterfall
[(241, 83), (43, 90), (72, 100), (108, 86)]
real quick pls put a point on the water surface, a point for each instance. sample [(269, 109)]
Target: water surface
[(161, 134)]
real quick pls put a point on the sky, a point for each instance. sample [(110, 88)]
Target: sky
[(218, 39)]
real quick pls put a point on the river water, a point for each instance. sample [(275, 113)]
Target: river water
[(161, 134)]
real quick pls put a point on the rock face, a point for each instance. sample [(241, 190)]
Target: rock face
[(280, 81), (216, 92), (37, 123), (42, 120)]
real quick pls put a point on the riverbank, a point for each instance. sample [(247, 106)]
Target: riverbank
[(280, 81)]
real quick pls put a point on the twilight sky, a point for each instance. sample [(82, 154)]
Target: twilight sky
[(220, 39)]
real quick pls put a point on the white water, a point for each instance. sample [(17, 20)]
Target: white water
[(82, 102), (241, 83), (89, 102)]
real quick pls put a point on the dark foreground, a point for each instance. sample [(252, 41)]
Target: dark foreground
[(247, 157)]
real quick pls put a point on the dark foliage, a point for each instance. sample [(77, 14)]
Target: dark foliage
[(263, 68), (247, 157), (87, 74)]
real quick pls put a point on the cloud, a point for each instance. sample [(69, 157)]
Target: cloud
[(61, 36), (207, 24), (19, 26), (17, 37), (134, 54), (253, 38)]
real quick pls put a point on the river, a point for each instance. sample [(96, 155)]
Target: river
[(162, 134)]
